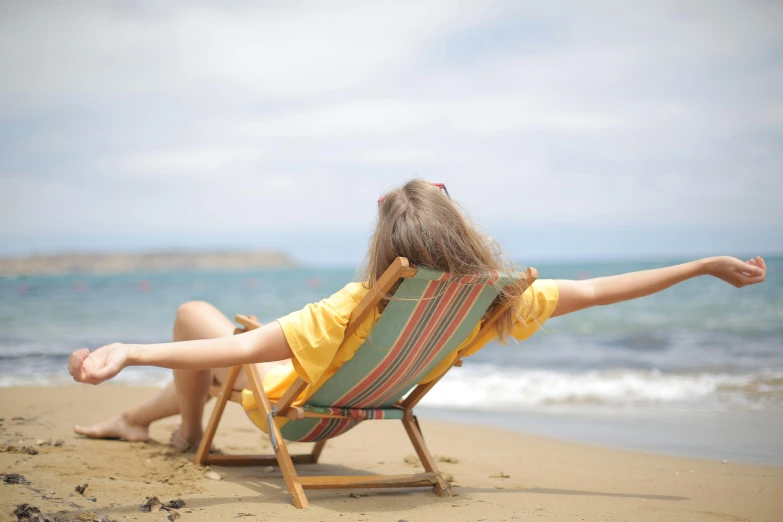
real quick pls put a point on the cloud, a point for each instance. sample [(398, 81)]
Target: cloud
[(191, 162), (185, 117), (290, 51)]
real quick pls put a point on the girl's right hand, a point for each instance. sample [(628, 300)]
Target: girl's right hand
[(98, 366)]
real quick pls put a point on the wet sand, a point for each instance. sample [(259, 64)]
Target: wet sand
[(746, 436)]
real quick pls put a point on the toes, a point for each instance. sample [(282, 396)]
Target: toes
[(114, 429), (87, 431)]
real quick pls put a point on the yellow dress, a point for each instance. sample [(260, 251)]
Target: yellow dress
[(316, 337)]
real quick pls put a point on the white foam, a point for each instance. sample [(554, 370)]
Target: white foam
[(493, 388), (488, 387), (133, 376), (40, 379)]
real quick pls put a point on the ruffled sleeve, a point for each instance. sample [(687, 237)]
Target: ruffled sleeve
[(537, 305), (316, 332)]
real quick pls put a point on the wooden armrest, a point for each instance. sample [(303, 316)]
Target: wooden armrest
[(250, 322)]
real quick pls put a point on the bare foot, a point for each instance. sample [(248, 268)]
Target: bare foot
[(183, 440), (115, 428)]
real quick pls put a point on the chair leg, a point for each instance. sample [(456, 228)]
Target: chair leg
[(289, 472), (411, 424), (276, 438), (317, 449), (217, 413)]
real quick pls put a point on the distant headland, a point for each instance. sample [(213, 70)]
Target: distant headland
[(160, 261)]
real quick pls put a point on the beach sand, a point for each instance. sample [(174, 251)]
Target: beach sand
[(547, 479)]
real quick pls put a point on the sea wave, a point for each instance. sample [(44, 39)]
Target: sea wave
[(488, 387)]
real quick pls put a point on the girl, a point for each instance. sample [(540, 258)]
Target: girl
[(418, 221)]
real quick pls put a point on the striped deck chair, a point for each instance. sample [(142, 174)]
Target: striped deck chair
[(430, 315)]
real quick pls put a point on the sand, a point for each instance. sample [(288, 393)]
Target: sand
[(546, 479)]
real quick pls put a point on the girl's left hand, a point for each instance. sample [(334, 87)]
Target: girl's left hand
[(736, 272), (98, 366)]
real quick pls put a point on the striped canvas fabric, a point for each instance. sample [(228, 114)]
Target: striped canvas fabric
[(358, 413), (430, 315)]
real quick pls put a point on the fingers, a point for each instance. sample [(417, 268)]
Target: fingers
[(76, 362), (760, 267), (82, 368), (753, 267), (754, 271)]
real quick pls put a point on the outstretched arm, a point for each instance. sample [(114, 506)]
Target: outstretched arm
[(578, 295), (263, 344)]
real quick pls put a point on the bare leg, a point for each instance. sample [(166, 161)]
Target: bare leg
[(133, 424), (186, 395), (195, 320)]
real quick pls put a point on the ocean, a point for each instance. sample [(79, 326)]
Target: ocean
[(701, 348)]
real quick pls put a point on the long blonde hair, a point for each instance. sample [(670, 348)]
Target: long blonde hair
[(417, 221)]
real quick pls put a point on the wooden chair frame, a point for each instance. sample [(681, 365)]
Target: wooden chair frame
[(400, 268)]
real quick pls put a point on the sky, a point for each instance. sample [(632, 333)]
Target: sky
[(567, 129)]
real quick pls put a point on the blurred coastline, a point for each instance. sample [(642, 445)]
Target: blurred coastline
[(125, 262)]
